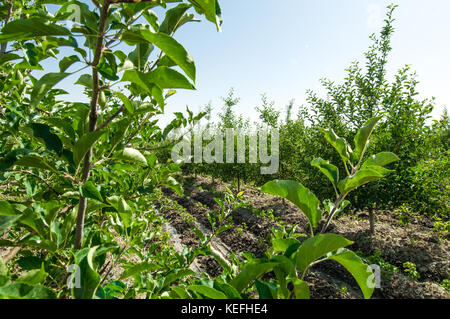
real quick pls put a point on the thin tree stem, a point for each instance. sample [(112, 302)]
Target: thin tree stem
[(93, 115), (116, 114), (332, 213)]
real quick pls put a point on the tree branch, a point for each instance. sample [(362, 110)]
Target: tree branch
[(11, 254), (116, 114), (111, 118), (117, 35)]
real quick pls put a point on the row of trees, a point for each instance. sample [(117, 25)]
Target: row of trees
[(406, 129)]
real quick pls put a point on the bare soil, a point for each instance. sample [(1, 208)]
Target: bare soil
[(417, 243)]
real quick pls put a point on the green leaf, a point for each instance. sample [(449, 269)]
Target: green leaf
[(280, 245), (67, 61), (361, 177), (329, 170), (187, 17), (24, 291), (131, 155), (329, 205), (6, 209), (82, 12), (6, 222), (137, 78), (175, 275), (33, 277), (152, 18), (285, 264), (36, 162), (121, 206), (181, 292), (3, 279), (24, 65), (85, 80), (51, 140), (64, 124), (169, 46), (30, 262), (250, 273), (363, 135), (139, 56), (301, 289), (3, 268), (299, 195), (89, 278), (126, 101), (339, 143), (89, 190), (166, 61), (43, 85), (380, 159), (82, 146), (94, 205), (138, 268), (173, 184), (315, 247), (38, 242), (167, 78), (8, 57), (7, 161), (173, 17), (211, 9), (228, 290), (108, 67), (208, 292), (22, 29), (221, 260), (30, 54), (265, 290), (126, 65), (360, 271)]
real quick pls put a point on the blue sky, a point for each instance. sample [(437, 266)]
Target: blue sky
[(283, 48)]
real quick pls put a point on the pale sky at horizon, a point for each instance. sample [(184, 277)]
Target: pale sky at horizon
[(284, 49)]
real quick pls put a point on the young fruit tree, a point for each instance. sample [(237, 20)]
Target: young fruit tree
[(76, 175)]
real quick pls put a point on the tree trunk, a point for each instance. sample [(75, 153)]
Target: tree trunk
[(79, 232)]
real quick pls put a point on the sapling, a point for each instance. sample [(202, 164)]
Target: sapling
[(325, 246)]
